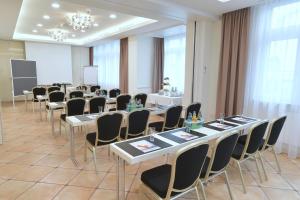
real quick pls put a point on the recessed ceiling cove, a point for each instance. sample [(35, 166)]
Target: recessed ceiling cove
[(64, 22)]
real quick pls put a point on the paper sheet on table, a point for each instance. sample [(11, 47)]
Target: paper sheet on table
[(184, 135), (242, 119), (144, 146), (219, 125)]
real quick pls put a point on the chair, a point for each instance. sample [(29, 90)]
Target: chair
[(142, 97), (57, 84), (114, 93), (94, 88), (269, 142), (249, 149), (82, 88), (194, 107), (172, 181), (74, 106), (37, 91), (219, 160), (103, 92), (137, 124), (53, 88), (108, 131), (55, 96), (171, 121), (97, 102), (122, 101), (76, 94)]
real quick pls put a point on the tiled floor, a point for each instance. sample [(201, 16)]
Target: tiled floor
[(35, 165)]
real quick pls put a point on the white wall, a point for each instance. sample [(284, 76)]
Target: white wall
[(54, 62), (140, 64), (80, 57)]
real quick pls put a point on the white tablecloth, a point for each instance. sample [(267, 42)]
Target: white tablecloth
[(163, 100)]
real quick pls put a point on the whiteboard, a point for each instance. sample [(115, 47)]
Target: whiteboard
[(90, 75)]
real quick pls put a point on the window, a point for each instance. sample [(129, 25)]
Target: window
[(174, 60), (107, 58)]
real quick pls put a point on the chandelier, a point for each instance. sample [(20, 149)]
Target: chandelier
[(80, 21), (58, 34)]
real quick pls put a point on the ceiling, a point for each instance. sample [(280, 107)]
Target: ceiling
[(133, 17)]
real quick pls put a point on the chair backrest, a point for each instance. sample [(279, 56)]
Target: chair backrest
[(103, 92), (94, 88), (76, 94), (38, 91), (194, 107), (57, 84), (56, 96), (122, 101), (142, 97), (137, 123), (75, 106), (254, 138), (274, 131), (97, 102), (108, 127), (172, 117), (82, 87), (186, 169), (114, 92), (222, 153), (53, 88)]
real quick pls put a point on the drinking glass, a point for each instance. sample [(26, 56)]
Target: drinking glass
[(221, 118), (151, 134)]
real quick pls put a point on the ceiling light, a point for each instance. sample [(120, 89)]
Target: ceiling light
[(113, 16), (95, 25), (223, 1), (73, 35), (80, 21), (55, 5), (34, 30), (46, 17), (39, 25), (58, 34)]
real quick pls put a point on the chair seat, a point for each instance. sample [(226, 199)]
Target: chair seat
[(91, 138), (112, 109), (157, 125), (238, 150), (158, 179), (63, 117), (35, 100)]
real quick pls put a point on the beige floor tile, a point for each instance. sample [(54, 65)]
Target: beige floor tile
[(26, 147), (74, 193), (28, 158), (88, 179), (104, 194), (52, 160), (137, 196), (41, 191), (109, 182), (294, 180), (12, 189), (33, 173), (9, 170), (274, 180), (46, 149), (60, 176), (9, 156), (277, 194)]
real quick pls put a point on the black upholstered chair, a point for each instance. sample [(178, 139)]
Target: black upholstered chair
[(269, 142), (57, 84), (94, 88), (171, 181), (114, 93), (248, 147), (141, 97), (103, 92), (74, 106), (194, 107), (122, 101), (82, 87), (76, 94), (108, 131), (55, 96), (96, 103), (37, 91), (53, 88), (137, 124), (171, 120), (219, 160)]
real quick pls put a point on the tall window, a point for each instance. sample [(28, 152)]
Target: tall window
[(107, 57), (174, 60)]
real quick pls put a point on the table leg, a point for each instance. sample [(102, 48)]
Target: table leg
[(72, 150), (52, 122), (40, 110), (120, 179)]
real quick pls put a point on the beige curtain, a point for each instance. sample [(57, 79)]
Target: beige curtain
[(124, 65), (232, 71), (158, 68)]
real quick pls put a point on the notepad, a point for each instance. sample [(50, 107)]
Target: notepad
[(144, 146), (184, 135), (219, 125)]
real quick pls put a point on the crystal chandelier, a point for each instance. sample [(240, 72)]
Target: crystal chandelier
[(81, 21), (58, 35)]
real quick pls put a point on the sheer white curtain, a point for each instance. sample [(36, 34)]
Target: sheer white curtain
[(107, 57), (273, 78), (174, 60)]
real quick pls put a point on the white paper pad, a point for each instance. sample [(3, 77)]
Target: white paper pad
[(144, 146), (241, 119), (184, 135), (74, 119), (219, 125)]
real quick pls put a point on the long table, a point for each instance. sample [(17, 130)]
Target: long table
[(169, 142), (83, 120)]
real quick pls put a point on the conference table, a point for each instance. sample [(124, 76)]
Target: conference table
[(61, 105), (156, 98), (134, 151), (87, 119)]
